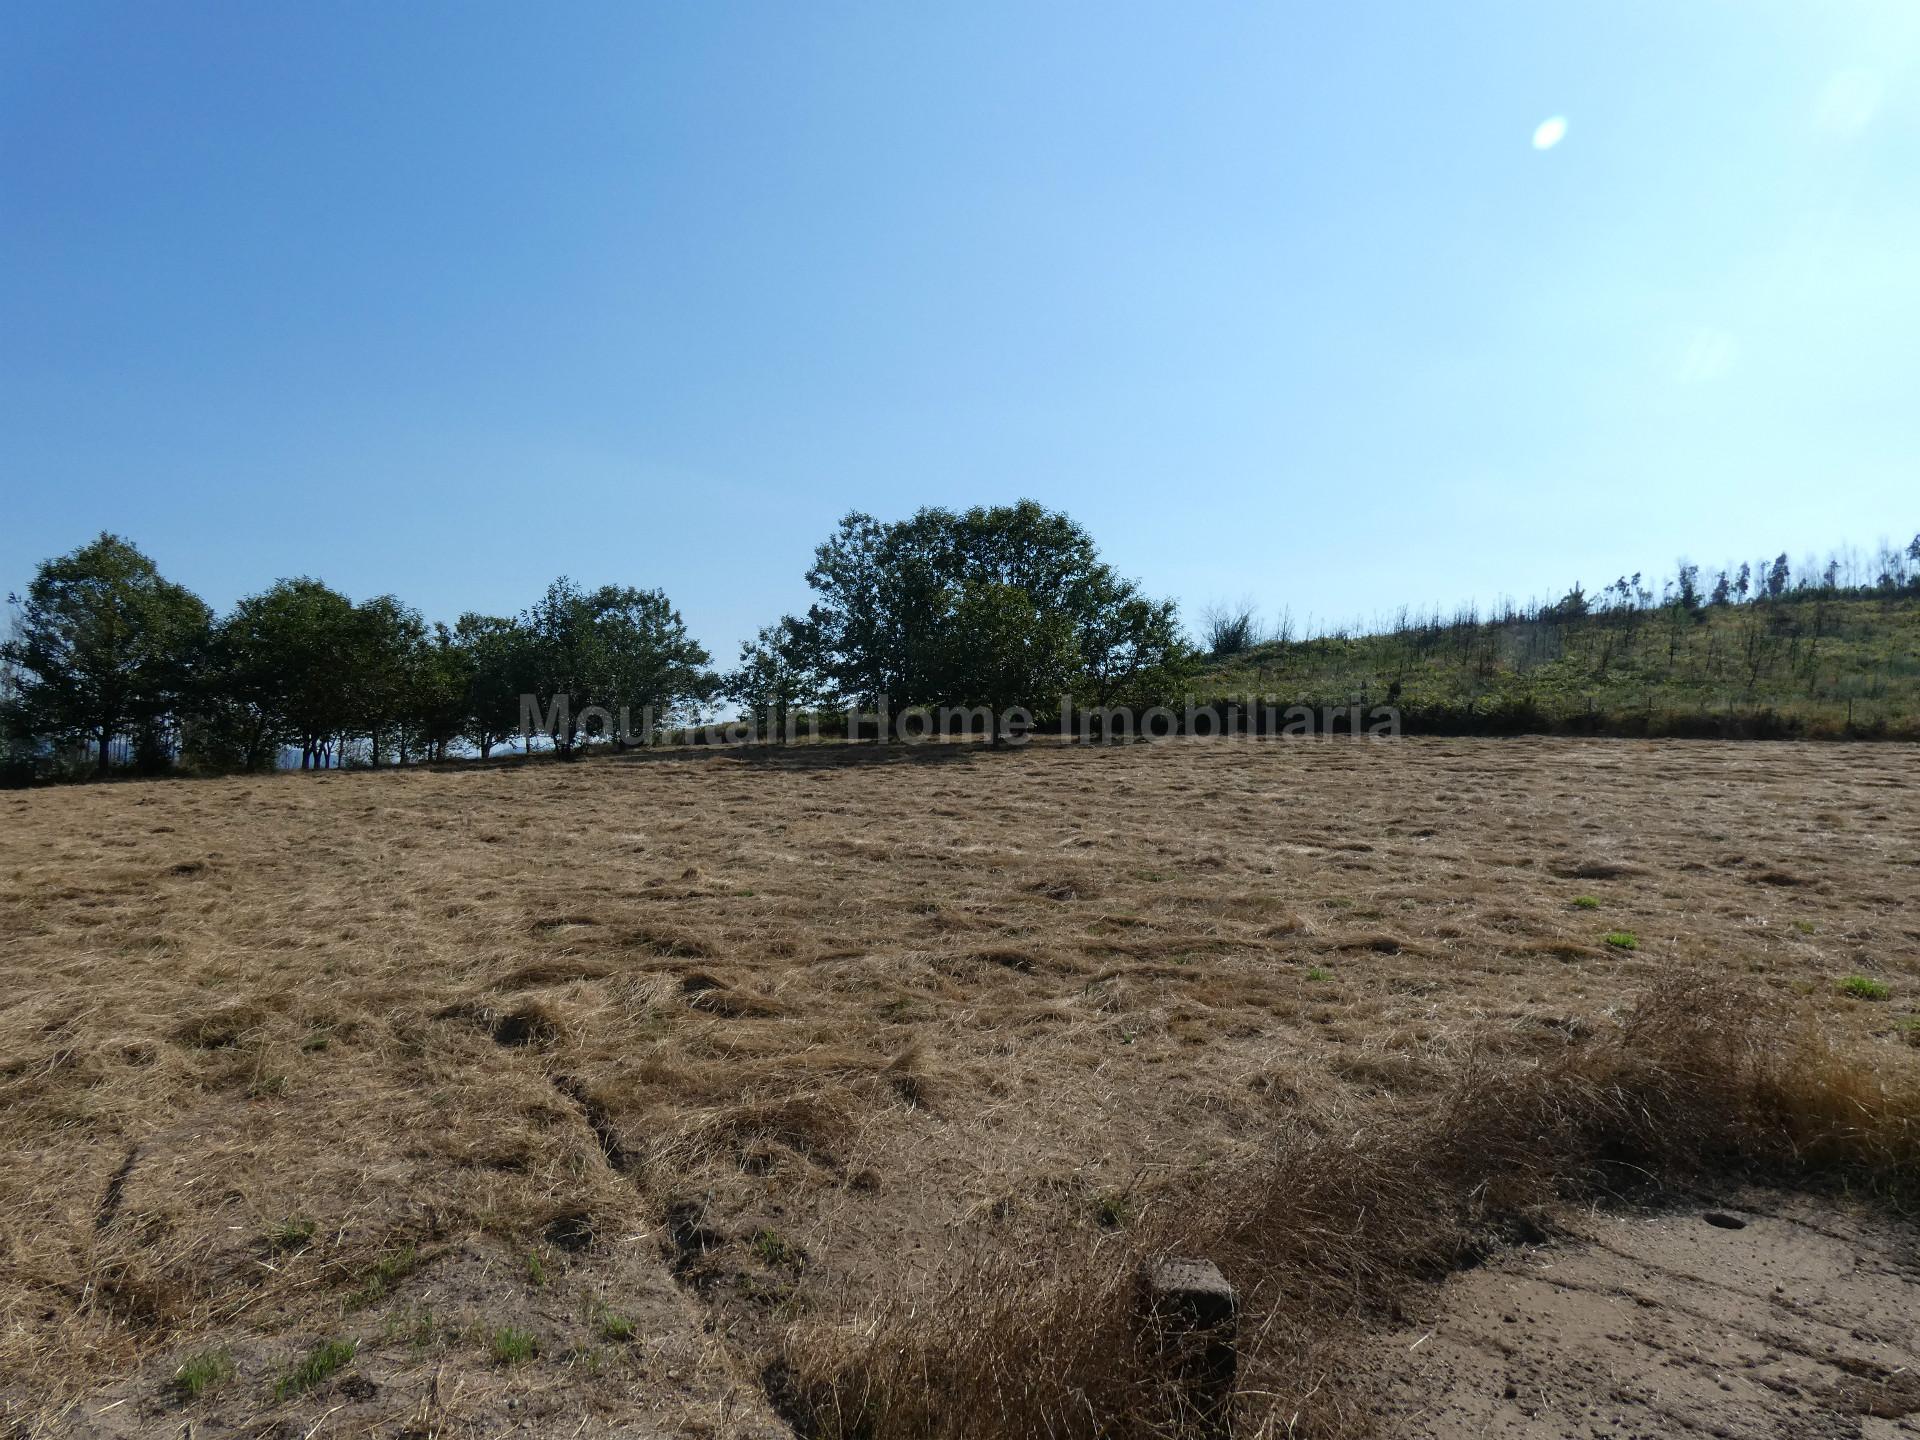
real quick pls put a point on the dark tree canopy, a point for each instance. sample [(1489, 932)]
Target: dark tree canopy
[(103, 646), (622, 649), (1003, 606)]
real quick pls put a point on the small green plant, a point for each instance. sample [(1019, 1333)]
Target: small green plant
[(617, 1328), (536, 1269), (1805, 927), (292, 1234), (1112, 1209), (512, 1346), (778, 1251), (1865, 987), (1317, 973), (1586, 902), (388, 1271), (415, 1326), (1623, 940), (322, 1361), (199, 1373)]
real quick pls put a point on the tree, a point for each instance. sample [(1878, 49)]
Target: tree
[(441, 679), (286, 665), (383, 671), (774, 677), (647, 663), (619, 648), (1778, 577), (497, 675), (1003, 651), (562, 651), (103, 646), (1688, 585), (1574, 605), (895, 603)]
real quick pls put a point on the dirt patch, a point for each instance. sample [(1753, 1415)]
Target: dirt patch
[(1803, 1319)]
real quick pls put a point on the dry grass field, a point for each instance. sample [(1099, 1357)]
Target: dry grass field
[(701, 1092)]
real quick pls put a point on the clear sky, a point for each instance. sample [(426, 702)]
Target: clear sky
[(1280, 300)]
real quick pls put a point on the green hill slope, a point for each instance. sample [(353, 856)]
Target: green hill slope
[(1812, 663)]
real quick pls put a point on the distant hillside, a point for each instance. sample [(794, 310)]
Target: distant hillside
[(1813, 663)]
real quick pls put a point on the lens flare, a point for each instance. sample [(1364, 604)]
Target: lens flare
[(1550, 132)]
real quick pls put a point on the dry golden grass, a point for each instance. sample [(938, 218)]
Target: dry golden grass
[(863, 1078)]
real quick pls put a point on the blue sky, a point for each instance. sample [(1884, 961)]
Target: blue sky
[(1279, 300)]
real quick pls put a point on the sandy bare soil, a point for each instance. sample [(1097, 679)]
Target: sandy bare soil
[(1769, 1316), (570, 1095)]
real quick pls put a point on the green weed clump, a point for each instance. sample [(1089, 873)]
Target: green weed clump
[(1864, 987), (319, 1364), (513, 1346), (199, 1373)]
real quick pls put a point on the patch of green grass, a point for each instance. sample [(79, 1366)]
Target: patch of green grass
[(1663, 671), (536, 1269), (292, 1234), (1805, 927), (1865, 987), (199, 1373), (1316, 973), (1112, 1209), (513, 1346), (1586, 902), (417, 1327), (1623, 940), (379, 1278), (778, 1251), (617, 1328), (321, 1362)]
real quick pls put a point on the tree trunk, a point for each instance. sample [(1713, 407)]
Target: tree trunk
[(106, 752)]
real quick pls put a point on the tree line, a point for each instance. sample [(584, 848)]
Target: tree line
[(110, 664), (110, 658), (996, 607), (1232, 629)]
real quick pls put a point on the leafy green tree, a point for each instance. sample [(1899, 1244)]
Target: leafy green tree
[(498, 666), (895, 603), (1131, 650), (285, 662), (441, 677), (383, 674), (103, 646), (563, 655), (645, 662), (1779, 575), (1004, 651), (775, 678), (622, 649)]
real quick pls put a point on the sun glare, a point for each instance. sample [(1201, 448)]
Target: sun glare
[(1550, 132)]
